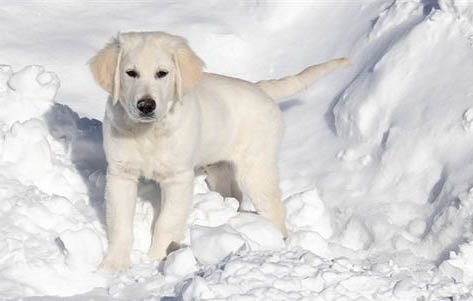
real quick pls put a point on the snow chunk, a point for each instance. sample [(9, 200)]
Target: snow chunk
[(460, 266), (356, 235), (180, 263), (311, 241), (28, 93), (211, 209), (306, 211), (83, 249), (211, 244), (258, 232), (405, 290)]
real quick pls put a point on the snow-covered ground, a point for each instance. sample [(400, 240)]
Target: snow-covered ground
[(376, 164)]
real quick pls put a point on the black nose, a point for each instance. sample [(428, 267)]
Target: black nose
[(146, 105)]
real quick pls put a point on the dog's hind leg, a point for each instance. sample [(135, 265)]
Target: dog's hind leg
[(221, 178), (259, 181)]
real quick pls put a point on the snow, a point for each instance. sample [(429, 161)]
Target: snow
[(180, 263), (376, 163)]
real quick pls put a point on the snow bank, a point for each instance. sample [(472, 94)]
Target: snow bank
[(51, 239), (412, 124)]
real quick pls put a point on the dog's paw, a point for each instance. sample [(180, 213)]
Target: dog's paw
[(113, 263)]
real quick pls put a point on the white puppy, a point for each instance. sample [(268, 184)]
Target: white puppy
[(165, 118)]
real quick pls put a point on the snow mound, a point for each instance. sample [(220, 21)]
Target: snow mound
[(51, 238), (415, 135), (300, 275)]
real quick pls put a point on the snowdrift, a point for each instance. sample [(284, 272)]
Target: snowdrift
[(376, 171)]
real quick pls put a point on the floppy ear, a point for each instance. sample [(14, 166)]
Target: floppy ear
[(105, 68), (189, 68)]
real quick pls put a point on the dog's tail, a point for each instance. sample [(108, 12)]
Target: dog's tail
[(278, 89)]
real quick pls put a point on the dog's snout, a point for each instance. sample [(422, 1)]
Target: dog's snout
[(146, 105)]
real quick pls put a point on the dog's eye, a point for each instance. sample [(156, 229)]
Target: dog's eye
[(161, 74), (132, 73)]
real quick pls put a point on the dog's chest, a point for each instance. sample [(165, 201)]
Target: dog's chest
[(153, 157), (158, 156)]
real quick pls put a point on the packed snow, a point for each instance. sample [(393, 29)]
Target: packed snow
[(376, 164)]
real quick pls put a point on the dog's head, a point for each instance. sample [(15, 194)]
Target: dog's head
[(147, 72)]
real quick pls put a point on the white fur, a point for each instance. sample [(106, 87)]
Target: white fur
[(231, 126)]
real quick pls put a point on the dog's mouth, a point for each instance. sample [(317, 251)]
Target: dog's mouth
[(140, 117), (147, 118)]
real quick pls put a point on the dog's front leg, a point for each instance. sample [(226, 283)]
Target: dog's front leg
[(176, 201), (120, 195)]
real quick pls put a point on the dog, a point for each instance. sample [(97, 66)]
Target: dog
[(165, 118)]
